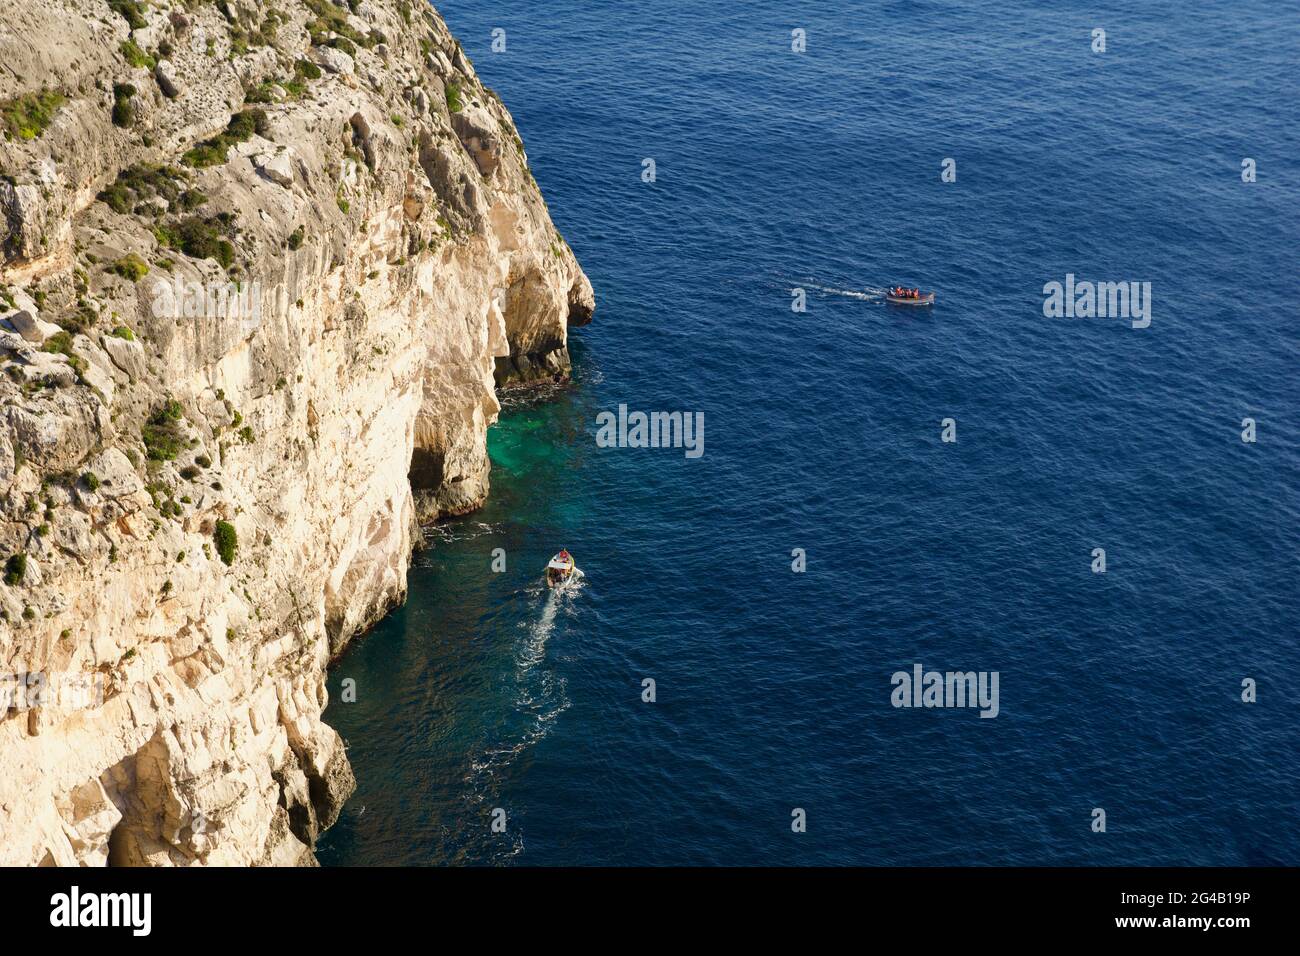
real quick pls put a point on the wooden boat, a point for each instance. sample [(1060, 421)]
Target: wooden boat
[(925, 298)]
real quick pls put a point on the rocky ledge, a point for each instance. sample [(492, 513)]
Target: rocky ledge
[(263, 266)]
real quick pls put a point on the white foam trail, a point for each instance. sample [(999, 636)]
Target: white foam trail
[(533, 649), (540, 695), (867, 293)]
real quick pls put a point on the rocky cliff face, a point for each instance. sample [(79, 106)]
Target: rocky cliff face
[(263, 267)]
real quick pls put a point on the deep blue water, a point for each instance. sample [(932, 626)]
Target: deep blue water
[(778, 170)]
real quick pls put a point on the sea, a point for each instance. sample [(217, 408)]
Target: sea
[(1102, 511)]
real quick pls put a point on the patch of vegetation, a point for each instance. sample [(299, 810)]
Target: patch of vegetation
[(131, 10), (201, 238), (122, 332), (136, 56), (227, 542), (162, 434), (296, 238), (264, 92), (137, 185), (131, 267), (328, 19), (241, 128), (60, 343), (453, 96), (15, 569), (295, 87), (242, 40), (123, 108), (91, 480), (28, 116)]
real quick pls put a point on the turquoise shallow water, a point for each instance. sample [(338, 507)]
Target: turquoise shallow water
[(821, 170)]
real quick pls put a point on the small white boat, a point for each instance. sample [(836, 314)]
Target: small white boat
[(560, 570)]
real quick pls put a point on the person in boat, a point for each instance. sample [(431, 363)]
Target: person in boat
[(557, 575)]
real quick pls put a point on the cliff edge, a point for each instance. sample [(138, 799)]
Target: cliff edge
[(263, 267)]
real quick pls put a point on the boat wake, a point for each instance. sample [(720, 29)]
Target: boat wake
[(539, 698), (866, 294)]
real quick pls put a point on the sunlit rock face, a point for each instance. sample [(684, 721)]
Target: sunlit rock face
[(207, 489)]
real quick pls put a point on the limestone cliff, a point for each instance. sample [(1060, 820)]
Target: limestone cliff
[(263, 265)]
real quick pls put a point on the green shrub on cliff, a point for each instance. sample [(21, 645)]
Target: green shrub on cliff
[(136, 56), (130, 267), (123, 108), (60, 343), (137, 185), (161, 434), (240, 129), (131, 10), (227, 542), (28, 116), (330, 19), (15, 569), (453, 96), (202, 238)]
